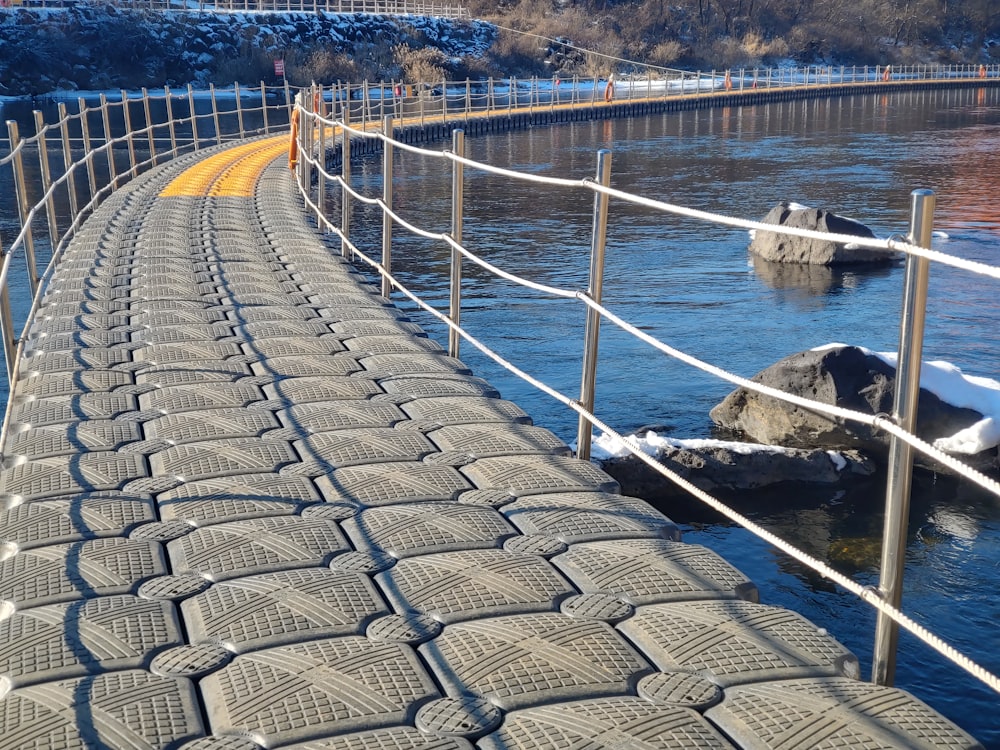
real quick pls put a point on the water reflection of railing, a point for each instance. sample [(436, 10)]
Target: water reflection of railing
[(320, 136)]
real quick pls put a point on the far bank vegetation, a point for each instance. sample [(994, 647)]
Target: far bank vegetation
[(720, 34)]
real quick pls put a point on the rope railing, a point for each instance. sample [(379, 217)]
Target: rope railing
[(885, 599)]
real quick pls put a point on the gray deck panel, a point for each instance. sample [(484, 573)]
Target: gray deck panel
[(240, 485)]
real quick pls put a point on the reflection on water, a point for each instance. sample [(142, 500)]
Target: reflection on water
[(812, 280)]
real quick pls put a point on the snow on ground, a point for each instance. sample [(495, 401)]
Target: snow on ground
[(605, 446), (951, 385)]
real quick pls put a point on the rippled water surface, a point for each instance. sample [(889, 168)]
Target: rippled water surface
[(693, 286)]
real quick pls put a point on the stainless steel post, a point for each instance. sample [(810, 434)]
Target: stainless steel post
[(7, 327), (345, 175), (85, 135), (128, 135), (239, 111), (215, 114), (599, 235), (106, 119), (897, 491), (68, 161), (457, 199), (21, 189), (150, 135), (194, 118), (263, 106), (321, 169), (171, 128), (387, 199), (46, 173)]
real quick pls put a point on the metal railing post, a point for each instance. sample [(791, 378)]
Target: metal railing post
[(171, 128), (106, 120), (215, 114), (897, 491), (88, 154), (345, 175), (7, 327), (128, 135), (263, 106), (387, 199), (321, 159), (599, 235), (21, 188), (149, 126), (194, 118), (74, 209), (46, 173), (239, 111), (457, 200)]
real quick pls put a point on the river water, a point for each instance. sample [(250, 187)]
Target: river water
[(692, 285)]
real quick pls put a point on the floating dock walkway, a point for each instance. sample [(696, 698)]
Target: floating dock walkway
[(246, 504)]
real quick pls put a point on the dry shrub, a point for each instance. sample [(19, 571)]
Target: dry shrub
[(764, 50), (423, 64), (322, 65), (666, 53)]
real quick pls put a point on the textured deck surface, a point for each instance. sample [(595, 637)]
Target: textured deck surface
[(246, 504)]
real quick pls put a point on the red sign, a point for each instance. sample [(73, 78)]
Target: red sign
[(279, 67)]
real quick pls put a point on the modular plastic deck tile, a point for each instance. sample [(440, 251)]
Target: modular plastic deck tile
[(131, 709), (247, 504), (374, 484), (455, 586), (645, 571), (240, 548), (485, 441), (834, 712), (290, 606), (424, 528), (78, 570), (608, 722), (587, 516), (526, 660), (321, 687), (736, 642), (107, 633), (73, 518)]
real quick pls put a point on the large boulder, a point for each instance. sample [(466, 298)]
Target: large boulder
[(713, 465), (844, 376), (786, 248)]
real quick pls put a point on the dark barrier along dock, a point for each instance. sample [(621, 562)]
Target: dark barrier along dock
[(247, 504)]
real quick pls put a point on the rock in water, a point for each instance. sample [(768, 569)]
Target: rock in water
[(843, 376), (728, 467), (786, 248)]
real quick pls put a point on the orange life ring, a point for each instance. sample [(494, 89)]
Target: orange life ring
[(293, 147), (887, 73), (727, 82), (609, 90), (982, 71)]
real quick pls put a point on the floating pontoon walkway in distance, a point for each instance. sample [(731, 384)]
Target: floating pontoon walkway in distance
[(246, 504)]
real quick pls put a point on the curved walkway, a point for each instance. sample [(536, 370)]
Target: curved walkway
[(246, 504)]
